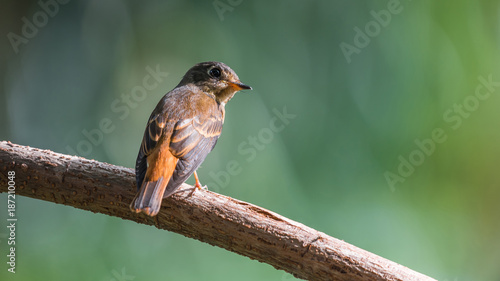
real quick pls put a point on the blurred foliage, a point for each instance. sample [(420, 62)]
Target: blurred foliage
[(326, 168)]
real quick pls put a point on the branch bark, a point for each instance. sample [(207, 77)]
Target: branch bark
[(216, 219)]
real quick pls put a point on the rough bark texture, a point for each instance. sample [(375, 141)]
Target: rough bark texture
[(216, 219)]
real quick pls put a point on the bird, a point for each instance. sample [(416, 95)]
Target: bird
[(182, 129)]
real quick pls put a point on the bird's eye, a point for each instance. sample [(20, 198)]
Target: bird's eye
[(215, 72)]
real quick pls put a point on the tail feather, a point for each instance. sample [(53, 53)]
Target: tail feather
[(149, 197)]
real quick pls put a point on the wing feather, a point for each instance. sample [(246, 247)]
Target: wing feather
[(152, 135), (191, 142)]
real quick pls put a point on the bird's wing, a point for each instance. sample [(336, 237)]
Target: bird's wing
[(152, 135), (154, 167), (192, 139)]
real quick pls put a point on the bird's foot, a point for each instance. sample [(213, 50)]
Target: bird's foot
[(196, 187)]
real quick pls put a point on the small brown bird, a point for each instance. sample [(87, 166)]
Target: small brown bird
[(181, 131)]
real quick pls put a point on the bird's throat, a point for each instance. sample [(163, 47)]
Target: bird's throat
[(225, 95)]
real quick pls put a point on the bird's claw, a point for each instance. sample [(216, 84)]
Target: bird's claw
[(196, 187)]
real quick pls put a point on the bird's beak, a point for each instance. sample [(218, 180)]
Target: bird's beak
[(239, 86)]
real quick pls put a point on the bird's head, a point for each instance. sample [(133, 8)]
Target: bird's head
[(216, 79)]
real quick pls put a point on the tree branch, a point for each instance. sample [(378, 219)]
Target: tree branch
[(216, 219)]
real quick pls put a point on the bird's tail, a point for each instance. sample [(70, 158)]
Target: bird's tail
[(148, 199)]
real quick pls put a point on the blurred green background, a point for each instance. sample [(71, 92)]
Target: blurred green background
[(364, 81)]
